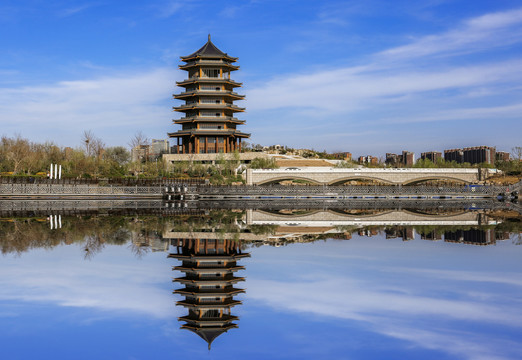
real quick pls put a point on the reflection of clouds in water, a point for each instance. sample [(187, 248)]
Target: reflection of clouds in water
[(350, 300), (502, 278), (110, 282), (415, 306)]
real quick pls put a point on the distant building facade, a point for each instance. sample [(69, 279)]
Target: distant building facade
[(456, 155), (433, 156), (346, 156), (368, 160), (149, 152), (407, 158), (502, 156), (472, 155)]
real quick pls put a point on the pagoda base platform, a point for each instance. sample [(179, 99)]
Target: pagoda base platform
[(210, 159)]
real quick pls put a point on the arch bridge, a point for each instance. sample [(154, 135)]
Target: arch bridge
[(336, 176)]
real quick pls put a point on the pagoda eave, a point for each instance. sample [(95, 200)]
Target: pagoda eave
[(205, 294), (229, 66), (232, 280), (216, 107), (199, 57), (219, 320), (208, 257), (208, 80), (208, 270), (221, 94), (195, 305), (228, 120)]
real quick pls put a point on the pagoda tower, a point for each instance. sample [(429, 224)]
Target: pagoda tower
[(209, 124), (208, 266)]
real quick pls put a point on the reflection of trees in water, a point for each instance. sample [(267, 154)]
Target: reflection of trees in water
[(92, 233), (143, 232)]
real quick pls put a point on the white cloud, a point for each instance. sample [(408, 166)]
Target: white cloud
[(418, 310), (75, 10), (481, 33), (123, 102), (350, 89)]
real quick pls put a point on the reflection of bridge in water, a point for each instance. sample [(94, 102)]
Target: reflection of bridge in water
[(341, 217)]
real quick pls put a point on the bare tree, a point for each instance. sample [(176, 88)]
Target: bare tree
[(94, 146), (138, 140), (16, 150), (516, 153)]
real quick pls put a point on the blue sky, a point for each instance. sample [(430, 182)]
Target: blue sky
[(361, 76)]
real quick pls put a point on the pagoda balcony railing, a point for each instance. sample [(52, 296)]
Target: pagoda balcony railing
[(210, 118), (209, 106), (210, 92), (226, 76), (209, 80)]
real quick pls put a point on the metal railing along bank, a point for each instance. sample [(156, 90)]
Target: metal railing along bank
[(349, 190)]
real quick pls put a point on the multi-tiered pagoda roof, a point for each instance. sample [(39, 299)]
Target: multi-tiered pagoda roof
[(209, 124)]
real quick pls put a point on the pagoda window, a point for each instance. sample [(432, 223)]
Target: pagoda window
[(210, 87), (211, 314), (211, 101), (211, 73), (188, 126), (221, 139), (211, 139), (210, 114), (211, 126)]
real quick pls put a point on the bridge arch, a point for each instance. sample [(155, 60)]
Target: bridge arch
[(359, 177), (428, 178), (289, 177), (288, 216)]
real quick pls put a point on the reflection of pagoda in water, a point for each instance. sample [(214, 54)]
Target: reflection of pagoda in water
[(208, 266)]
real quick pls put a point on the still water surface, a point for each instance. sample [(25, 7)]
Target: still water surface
[(100, 287)]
